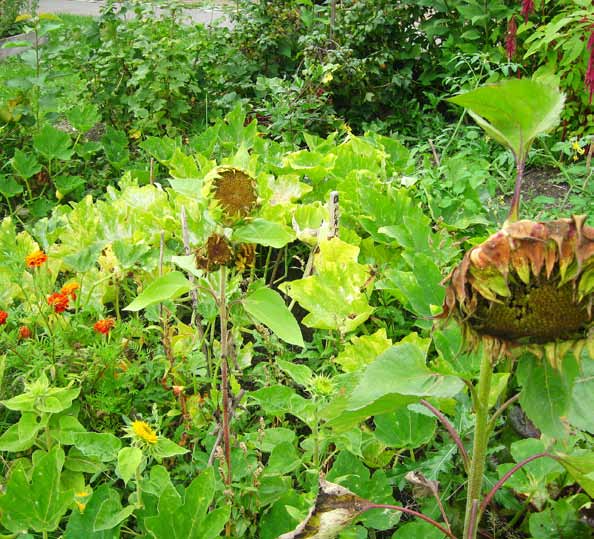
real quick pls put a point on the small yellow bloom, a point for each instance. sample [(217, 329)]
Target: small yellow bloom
[(327, 78), (145, 432), (577, 148), (80, 499)]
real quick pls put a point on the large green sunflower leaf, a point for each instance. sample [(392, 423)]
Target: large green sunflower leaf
[(514, 112)]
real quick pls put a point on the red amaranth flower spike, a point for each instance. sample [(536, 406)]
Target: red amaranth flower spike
[(3, 317), (527, 9), (510, 38)]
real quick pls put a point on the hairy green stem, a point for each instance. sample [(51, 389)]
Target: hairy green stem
[(138, 478), (479, 448)]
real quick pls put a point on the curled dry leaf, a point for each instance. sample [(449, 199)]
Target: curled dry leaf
[(334, 509)]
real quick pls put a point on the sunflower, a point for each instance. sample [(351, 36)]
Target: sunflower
[(530, 283), (142, 434), (217, 252), (235, 190)]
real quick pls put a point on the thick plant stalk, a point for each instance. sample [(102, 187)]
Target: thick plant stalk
[(479, 448), (224, 372), (225, 381)]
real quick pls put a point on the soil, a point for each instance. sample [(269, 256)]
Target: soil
[(543, 182)]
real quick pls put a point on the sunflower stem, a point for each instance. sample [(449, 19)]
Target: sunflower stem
[(479, 448), (515, 203)]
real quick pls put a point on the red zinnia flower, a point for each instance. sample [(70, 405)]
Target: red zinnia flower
[(24, 332), (510, 38), (59, 302), (527, 9), (104, 326), (35, 259), (3, 317)]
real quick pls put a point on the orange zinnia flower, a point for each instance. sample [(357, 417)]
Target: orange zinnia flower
[(59, 302), (35, 259), (24, 332), (103, 326), (70, 290), (3, 317)]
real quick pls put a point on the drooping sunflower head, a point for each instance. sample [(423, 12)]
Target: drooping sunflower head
[(529, 283), (234, 190), (217, 252)]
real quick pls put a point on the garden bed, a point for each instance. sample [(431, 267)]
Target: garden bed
[(6, 51)]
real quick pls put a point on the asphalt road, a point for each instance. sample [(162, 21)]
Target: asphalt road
[(93, 8)]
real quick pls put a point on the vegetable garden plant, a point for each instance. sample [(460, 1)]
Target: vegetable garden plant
[(214, 323)]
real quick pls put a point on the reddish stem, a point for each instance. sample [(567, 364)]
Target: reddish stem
[(507, 475), (515, 203), (413, 513), (451, 431)]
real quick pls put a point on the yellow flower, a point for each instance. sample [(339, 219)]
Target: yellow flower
[(81, 506), (80, 499), (144, 432), (578, 150)]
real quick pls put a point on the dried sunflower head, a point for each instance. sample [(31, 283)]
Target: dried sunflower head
[(234, 189), (217, 252), (245, 257), (529, 283)]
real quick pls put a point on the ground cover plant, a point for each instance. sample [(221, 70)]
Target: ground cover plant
[(265, 281)]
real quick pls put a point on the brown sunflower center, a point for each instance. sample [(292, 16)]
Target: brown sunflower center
[(236, 192), (538, 312)]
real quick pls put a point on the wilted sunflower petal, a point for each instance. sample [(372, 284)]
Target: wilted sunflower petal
[(531, 283)]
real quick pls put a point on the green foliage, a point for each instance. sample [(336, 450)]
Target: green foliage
[(185, 515), (9, 10), (557, 47), (34, 498), (268, 307), (113, 178)]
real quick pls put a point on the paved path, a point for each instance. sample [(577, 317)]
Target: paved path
[(93, 8)]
